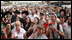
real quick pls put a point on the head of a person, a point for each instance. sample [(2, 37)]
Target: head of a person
[(41, 15), (17, 25), (5, 20), (68, 11), (47, 18), (62, 19), (33, 12), (8, 13), (8, 25), (69, 20), (51, 11), (62, 12), (47, 8), (24, 13), (12, 10), (54, 8), (53, 18), (16, 13), (36, 20), (17, 18), (44, 11), (28, 20)]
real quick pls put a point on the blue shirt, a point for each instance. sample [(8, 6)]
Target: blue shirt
[(43, 37)]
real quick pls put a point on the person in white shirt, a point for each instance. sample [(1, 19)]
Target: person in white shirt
[(18, 32), (67, 29), (33, 15)]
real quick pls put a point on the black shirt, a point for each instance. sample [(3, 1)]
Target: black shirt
[(13, 19), (23, 21)]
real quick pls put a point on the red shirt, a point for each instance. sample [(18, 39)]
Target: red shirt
[(46, 25)]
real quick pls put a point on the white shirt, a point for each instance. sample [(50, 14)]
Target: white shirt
[(20, 16), (58, 20), (32, 17), (21, 33), (67, 31)]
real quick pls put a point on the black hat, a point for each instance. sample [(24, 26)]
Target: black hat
[(42, 14), (17, 12), (8, 12), (25, 12)]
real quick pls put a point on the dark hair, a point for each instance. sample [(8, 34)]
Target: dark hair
[(69, 16), (37, 19), (62, 10), (62, 17), (18, 17), (29, 22), (36, 12), (29, 19), (69, 23), (25, 12), (54, 16), (7, 23), (17, 12), (41, 13)]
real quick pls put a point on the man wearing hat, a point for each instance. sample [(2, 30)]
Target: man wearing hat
[(24, 15), (16, 13)]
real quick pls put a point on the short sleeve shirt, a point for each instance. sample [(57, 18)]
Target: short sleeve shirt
[(21, 33)]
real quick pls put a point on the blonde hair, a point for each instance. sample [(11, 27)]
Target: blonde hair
[(17, 22)]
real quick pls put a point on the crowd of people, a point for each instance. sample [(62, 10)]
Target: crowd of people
[(36, 22)]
